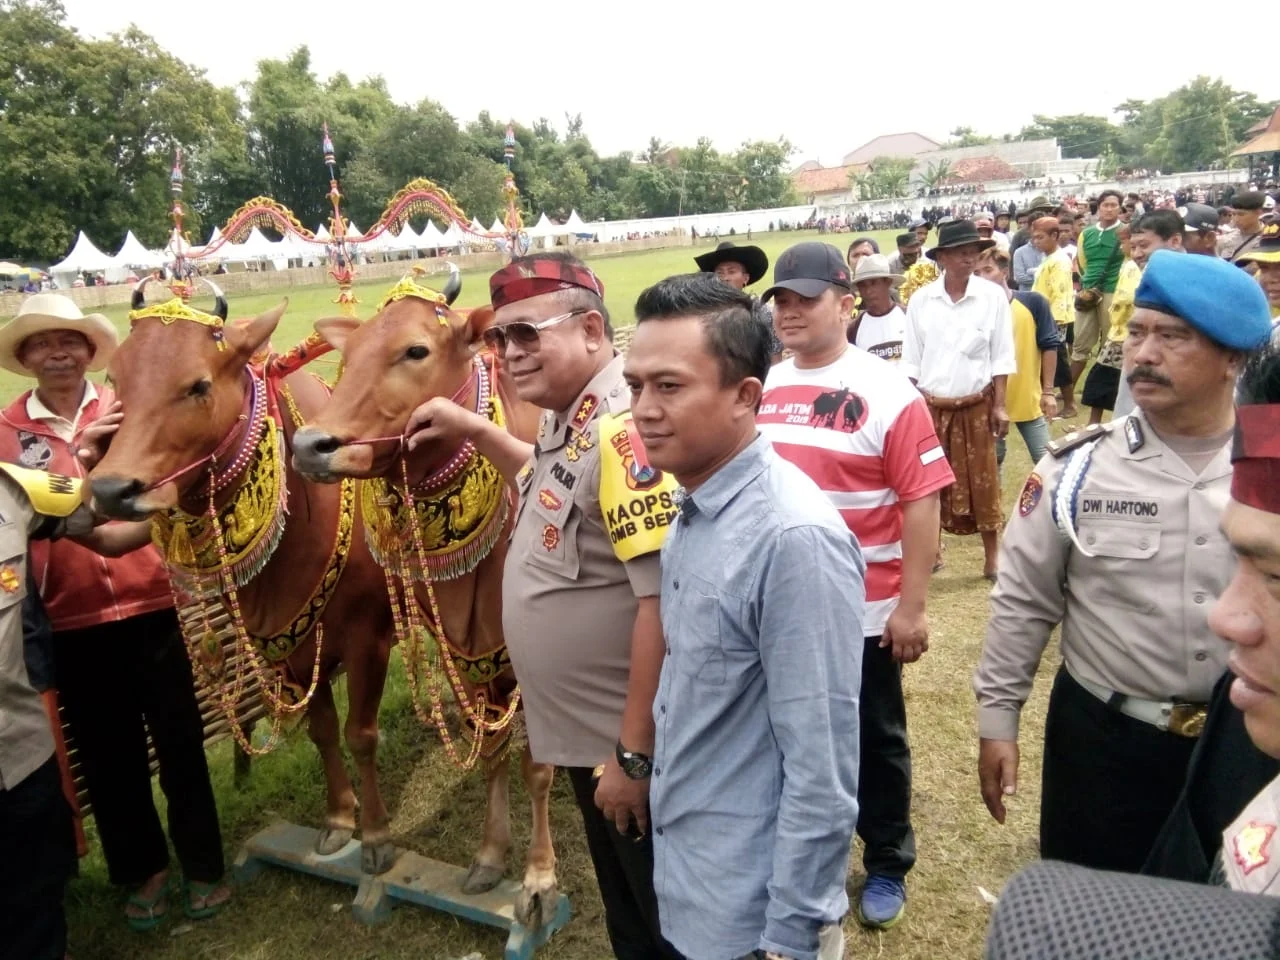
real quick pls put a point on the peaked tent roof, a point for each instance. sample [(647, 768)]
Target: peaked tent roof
[(323, 233), (575, 225), (133, 254), (431, 236), (543, 228), (83, 256), (497, 226)]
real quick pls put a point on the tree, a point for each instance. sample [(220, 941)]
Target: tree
[(965, 137), (764, 164), (884, 178), (935, 174), (1078, 134), (1193, 127)]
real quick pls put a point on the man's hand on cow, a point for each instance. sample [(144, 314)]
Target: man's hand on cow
[(999, 422), (97, 435), (441, 419)]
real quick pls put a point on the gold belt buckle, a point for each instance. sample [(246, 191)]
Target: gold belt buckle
[(1187, 719)]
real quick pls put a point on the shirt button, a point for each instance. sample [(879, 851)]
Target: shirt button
[(1144, 543), (1198, 598), (668, 650), (1201, 541), (658, 831), (1202, 656), (675, 584), (662, 708), (1090, 539), (657, 771), (1199, 485)]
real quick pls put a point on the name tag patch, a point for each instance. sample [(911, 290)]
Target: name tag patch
[(1108, 507), (562, 474)]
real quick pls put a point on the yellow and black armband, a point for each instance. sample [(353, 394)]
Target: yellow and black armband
[(50, 494), (636, 498)]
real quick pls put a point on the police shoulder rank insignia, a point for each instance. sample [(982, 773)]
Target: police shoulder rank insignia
[(1077, 438), (9, 579), (1251, 846), (1133, 434), (582, 416), (550, 537), (526, 472), (1030, 495), (548, 499)]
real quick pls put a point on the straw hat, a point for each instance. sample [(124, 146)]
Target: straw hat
[(875, 267), (52, 311)]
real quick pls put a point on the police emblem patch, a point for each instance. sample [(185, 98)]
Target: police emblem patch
[(1251, 846), (1030, 495), (9, 579), (36, 452), (550, 537), (549, 500)]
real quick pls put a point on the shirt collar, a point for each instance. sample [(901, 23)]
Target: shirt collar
[(938, 290), (597, 389), (727, 482), (36, 409)]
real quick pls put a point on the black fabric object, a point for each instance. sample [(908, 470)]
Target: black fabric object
[(624, 872), (38, 851), (37, 637), (1225, 773), (884, 768), (1101, 387), (1055, 911), (116, 681), (1109, 781)]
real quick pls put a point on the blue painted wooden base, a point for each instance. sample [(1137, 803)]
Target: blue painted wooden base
[(412, 879)]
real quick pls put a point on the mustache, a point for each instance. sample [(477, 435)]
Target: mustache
[(1149, 375)]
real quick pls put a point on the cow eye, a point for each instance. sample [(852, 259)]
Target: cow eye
[(417, 352), (200, 388)]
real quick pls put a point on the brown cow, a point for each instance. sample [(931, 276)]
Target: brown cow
[(184, 380), (414, 348)]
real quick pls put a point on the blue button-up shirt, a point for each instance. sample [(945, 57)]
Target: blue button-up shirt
[(754, 789)]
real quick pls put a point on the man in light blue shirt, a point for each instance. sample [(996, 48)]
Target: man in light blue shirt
[(755, 771), (1025, 261)]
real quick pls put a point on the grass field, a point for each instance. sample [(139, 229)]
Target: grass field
[(436, 810)]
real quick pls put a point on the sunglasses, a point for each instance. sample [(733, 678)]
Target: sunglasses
[(522, 333)]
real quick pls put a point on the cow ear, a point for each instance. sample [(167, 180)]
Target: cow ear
[(250, 336), (336, 330), (478, 318)]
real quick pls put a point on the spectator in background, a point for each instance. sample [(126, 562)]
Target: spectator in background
[(1099, 256), (920, 228), (740, 267), (1201, 229), (1246, 209), (1266, 258), (1067, 234), (879, 327), (986, 224), (1103, 382), (1029, 395), (1054, 282), (861, 247), (1026, 260), (909, 248)]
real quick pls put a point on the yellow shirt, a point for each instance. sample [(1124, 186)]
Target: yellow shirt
[(1022, 393), (1053, 281), (1122, 302)]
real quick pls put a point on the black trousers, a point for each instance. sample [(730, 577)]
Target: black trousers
[(117, 681), (884, 768), (1109, 781), (38, 854), (624, 870)]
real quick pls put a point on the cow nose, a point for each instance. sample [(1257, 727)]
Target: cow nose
[(114, 494), (312, 449)]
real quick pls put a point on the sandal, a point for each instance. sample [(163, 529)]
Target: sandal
[(154, 917), (194, 890)]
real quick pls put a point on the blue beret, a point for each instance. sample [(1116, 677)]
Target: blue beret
[(1216, 297)]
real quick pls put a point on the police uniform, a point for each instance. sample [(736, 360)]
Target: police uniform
[(37, 837), (591, 519), (1116, 538)]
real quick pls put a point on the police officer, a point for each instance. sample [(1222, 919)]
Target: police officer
[(1116, 537), (581, 583), (37, 835)]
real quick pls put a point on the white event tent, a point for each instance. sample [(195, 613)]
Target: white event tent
[(131, 258), (497, 226), (84, 256), (574, 224)]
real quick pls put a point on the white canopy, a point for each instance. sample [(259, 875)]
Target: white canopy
[(133, 254), (575, 225), (323, 233), (409, 238), (543, 228), (497, 226), (83, 256), (431, 237), (477, 226), (453, 237), (353, 233)]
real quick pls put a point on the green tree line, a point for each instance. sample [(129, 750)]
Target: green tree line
[(88, 128)]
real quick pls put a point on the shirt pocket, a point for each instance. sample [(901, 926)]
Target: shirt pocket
[(1119, 551), (699, 654), (555, 541)]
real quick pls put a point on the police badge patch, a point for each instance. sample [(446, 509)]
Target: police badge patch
[(36, 452), (1030, 495)]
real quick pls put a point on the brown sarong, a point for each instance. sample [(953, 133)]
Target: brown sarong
[(963, 424)]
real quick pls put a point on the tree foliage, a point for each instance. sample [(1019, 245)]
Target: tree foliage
[(884, 178)]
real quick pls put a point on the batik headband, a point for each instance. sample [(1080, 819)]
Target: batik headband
[(520, 281), (1255, 454)]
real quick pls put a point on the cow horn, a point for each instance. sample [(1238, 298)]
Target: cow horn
[(219, 299), (139, 298), (454, 286)]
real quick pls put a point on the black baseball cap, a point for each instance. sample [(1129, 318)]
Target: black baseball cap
[(1199, 216), (809, 269), (906, 240)]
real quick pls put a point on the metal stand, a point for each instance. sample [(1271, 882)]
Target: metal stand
[(413, 879)]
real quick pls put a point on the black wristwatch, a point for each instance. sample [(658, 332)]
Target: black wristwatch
[(635, 765)]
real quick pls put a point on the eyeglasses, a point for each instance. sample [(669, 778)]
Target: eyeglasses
[(522, 333)]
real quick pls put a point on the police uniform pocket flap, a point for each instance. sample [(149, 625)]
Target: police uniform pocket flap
[(555, 544), (1122, 541)]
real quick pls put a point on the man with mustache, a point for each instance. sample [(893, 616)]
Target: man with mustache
[(1116, 537)]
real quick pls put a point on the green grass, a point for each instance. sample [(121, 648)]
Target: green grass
[(436, 810)]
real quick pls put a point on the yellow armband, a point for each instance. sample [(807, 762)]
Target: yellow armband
[(50, 494), (635, 497)]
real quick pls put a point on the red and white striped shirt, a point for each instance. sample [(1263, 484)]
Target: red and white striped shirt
[(862, 432)]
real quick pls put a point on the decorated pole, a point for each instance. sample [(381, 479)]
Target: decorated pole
[(517, 241), (181, 284), (342, 267)]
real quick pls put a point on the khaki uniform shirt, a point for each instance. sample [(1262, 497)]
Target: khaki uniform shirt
[(1134, 615), (568, 603), (1250, 850), (26, 741)]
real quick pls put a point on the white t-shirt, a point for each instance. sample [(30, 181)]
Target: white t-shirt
[(882, 336)]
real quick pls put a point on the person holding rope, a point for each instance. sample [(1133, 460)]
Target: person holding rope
[(120, 664), (581, 583)]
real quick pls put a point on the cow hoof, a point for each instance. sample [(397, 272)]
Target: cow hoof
[(376, 859), (333, 839), (481, 878), (536, 907)]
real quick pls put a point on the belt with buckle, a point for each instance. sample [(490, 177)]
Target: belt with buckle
[(1177, 717)]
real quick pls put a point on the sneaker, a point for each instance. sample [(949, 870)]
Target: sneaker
[(884, 900)]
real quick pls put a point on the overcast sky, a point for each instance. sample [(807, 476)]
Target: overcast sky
[(827, 75)]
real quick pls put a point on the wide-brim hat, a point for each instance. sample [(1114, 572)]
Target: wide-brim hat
[(958, 233), (875, 267), (1268, 248), (1038, 204), (753, 258), (52, 311)]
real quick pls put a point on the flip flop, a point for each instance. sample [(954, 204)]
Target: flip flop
[(154, 917), (193, 890)]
